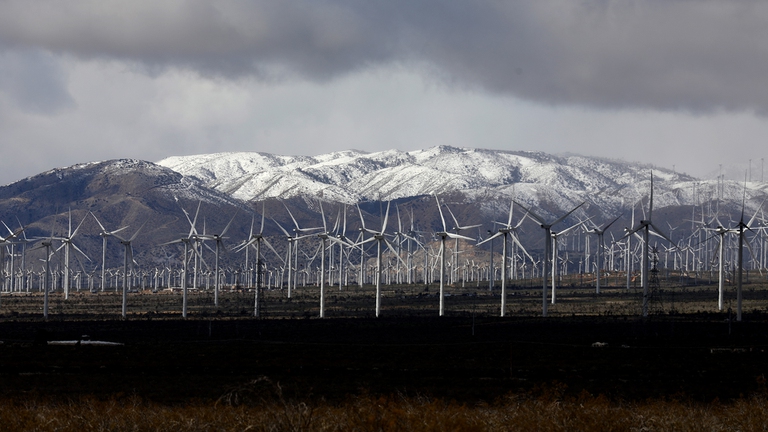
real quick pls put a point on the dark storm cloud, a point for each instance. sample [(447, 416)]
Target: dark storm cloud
[(698, 56)]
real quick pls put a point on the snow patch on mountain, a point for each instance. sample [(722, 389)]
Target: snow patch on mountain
[(534, 178)]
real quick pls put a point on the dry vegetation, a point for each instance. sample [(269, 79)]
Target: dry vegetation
[(518, 385), (545, 412)]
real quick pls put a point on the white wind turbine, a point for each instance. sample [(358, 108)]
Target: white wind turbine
[(66, 244), (646, 226), (255, 240), (443, 235), (506, 230), (547, 227), (344, 242), (555, 236), (324, 236), (128, 258), (379, 237), (298, 231), (47, 243), (409, 237), (104, 234), (194, 239), (741, 228), (457, 228), (600, 232), (219, 239), (192, 236), (3, 241), (289, 255)]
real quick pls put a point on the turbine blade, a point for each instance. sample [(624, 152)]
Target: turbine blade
[(291, 215), (269, 245), (650, 203), (386, 218), (263, 213), (609, 225), (74, 233), (392, 249), (661, 234), (498, 234), (98, 222), (81, 252), (226, 228), (442, 218), (536, 217), (567, 214), (362, 221), (459, 236), (452, 216), (133, 237), (749, 224), (281, 228)]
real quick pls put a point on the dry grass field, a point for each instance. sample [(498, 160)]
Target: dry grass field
[(592, 364)]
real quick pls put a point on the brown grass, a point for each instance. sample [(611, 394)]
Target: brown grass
[(269, 411)]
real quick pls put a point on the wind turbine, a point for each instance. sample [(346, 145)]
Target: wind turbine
[(555, 236), (218, 238), (192, 236), (600, 232), (104, 234), (289, 258), (66, 244), (194, 239), (741, 229), (443, 235), (47, 243), (298, 231), (380, 238), (547, 227), (505, 231), (324, 236), (3, 241), (720, 231), (128, 258), (646, 225), (457, 228), (255, 241)]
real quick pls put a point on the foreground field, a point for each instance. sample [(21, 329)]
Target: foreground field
[(593, 361), (366, 413)]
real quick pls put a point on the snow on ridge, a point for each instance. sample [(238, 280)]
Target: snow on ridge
[(350, 176)]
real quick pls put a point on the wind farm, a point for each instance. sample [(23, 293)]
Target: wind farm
[(212, 256), (459, 279)]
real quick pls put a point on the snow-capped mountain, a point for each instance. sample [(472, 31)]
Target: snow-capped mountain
[(535, 178), (476, 185)]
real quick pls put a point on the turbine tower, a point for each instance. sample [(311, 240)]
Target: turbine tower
[(506, 230), (547, 227), (255, 241), (380, 238), (646, 225), (600, 232), (443, 235), (219, 239), (128, 258), (104, 234)]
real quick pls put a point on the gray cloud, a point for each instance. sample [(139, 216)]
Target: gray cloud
[(696, 56), (34, 82)]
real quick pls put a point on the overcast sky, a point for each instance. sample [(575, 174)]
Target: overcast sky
[(678, 83)]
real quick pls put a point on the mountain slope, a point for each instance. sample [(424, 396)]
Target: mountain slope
[(354, 176)]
